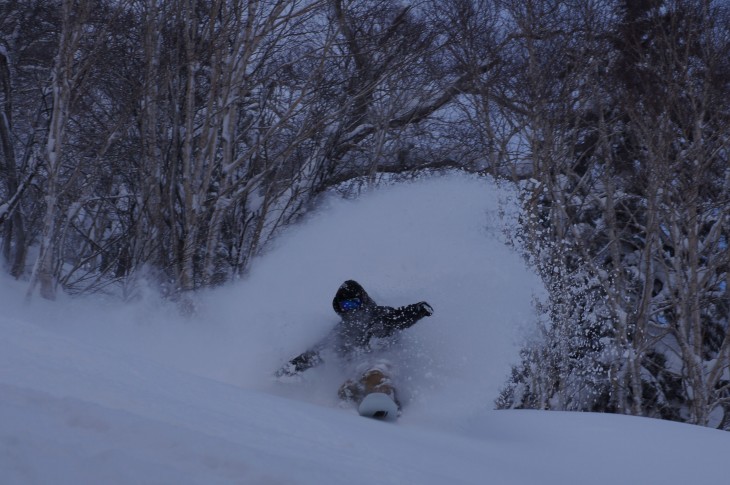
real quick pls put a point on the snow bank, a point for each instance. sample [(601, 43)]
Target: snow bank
[(73, 413)]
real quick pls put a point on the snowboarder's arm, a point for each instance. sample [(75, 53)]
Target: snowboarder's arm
[(406, 316), (306, 360), (300, 363)]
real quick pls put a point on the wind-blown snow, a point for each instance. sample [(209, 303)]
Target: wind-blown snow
[(96, 391)]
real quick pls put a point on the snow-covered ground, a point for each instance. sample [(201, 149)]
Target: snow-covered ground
[(93, 391)]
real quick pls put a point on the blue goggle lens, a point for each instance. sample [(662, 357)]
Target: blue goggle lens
[(351, 304)]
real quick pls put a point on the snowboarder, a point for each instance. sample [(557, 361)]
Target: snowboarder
[(362, 322)]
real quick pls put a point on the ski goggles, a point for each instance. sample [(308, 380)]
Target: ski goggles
[(350, 304)]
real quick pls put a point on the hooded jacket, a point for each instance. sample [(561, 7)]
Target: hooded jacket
[(358, 326)]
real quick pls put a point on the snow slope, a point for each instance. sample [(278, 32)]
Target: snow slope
[(95, 391)]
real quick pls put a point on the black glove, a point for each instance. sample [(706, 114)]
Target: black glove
[(288, 370), (294, 367), (425, 309)]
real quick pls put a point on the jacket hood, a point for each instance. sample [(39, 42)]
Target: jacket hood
[(348, 290)]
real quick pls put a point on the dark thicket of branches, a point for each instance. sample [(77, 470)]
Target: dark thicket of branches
[(627, 125), (172, 140)]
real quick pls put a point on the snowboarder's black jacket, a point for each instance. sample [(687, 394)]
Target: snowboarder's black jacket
[(362, 320)]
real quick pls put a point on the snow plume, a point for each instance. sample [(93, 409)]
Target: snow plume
[(437, 239)]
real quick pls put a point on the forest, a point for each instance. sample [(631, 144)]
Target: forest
[(172, 141)]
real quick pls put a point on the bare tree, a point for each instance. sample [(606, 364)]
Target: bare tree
[(65, 77), (15, 246), (25, 34)]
